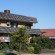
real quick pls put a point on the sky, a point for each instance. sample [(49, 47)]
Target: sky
[(43, 10)]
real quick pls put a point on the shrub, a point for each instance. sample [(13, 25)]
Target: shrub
[(0, 46), (16, 46), (43, 41), (12, 43), (11, 46), (46, 42), (3, 45), (37, 48), (53, 42), (30, 49)]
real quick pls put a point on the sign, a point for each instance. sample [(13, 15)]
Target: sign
[(4, 39), (52, 37)]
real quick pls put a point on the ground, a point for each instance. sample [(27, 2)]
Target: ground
[(39, 54), (44, 52)]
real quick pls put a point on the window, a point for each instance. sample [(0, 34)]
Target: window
[(28, 26), (14, 24)]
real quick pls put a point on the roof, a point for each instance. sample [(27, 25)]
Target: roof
[(34, 31), (7, 29), (15, 17), (48, 32), (11, 29)]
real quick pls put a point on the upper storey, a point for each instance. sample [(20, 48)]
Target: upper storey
[(6, 15)]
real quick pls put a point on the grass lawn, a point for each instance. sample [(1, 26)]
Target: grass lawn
[(1, 53)]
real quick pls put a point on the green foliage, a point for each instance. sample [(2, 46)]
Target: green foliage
[(0, 46), (43, 41), (20, 35), (30, 49), (16, 46), (11, 46), (19, 39), (53, 42), (37, 48), (12, 42), (3, 45), (19, 42)]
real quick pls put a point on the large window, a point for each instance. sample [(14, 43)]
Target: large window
[(14, 24)]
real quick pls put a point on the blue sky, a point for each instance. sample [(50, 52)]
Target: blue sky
[(43, 10)]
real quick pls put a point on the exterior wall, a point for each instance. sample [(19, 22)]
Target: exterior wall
[(4, 24), (24, 26), (31, 27), (21, 26)]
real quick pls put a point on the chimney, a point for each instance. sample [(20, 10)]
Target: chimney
[(7, 11)]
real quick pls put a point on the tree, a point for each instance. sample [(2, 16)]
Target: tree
[(20, 37)]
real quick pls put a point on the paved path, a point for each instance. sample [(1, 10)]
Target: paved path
[(44, 52), (48, 51), (40, 54)]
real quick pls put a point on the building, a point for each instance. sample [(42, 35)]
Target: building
[(10, 22), (48, 33)]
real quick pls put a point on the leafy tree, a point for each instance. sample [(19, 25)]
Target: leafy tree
[(20, 37)]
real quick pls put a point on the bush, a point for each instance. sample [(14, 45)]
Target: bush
[(53, 42), (37, 48), (43, 41), (0, 46), (30, 49), (3, 45), (11, 46), (16, 46), (12, 43)]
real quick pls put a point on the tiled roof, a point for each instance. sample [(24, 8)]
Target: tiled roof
[(48, 32), (34, 31), (7, 29), (11, 29), (15, 17)]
